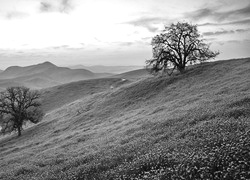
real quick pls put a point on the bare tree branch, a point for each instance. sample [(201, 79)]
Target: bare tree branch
[(18, 105), (177, 46)]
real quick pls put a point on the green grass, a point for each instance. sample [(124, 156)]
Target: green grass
[(190, 126)]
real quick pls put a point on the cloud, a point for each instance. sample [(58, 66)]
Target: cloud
[(243, 11), (241, 30), (46, 7), (225, 32), (62, 6), (146, 39), (16, 15), (136, 43), (126, 43), (65, 47), (66, 5), (233, 41), (217, 15), (60, 47), (200, 14), (240, 22), (149, 23), (210, 39), (122, 44), (244, 41)]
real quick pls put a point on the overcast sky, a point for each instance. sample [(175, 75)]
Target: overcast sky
[(113, 32)]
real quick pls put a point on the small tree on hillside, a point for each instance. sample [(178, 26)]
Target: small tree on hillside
[(177, 46), (17, 106)]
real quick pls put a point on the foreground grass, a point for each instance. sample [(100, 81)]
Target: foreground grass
[(191, 126)]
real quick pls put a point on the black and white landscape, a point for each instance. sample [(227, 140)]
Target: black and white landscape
[(107, 69), (44, 75), (124, 90)]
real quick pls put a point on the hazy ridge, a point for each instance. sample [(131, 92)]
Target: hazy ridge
[(107, 69), (44, 75)]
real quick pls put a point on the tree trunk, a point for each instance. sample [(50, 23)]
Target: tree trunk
[(19, 131), (181, 69)]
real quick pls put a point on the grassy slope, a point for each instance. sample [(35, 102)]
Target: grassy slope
[(57, 96), (191, 126), (134, 75)]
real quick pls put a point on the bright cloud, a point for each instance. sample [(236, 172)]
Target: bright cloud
[(112, 31)]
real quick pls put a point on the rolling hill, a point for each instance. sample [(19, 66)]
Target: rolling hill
[(194, 125), (17, 71), (107, 69), (44, 75), (57, 96), (134, 75)]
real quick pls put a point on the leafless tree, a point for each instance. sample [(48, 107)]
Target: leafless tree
[(17, 106), (177, 46)]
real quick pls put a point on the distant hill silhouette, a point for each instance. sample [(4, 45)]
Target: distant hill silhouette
[(107, 69), (17, 71), (44, 75)]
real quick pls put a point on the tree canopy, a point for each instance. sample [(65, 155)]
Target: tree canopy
[(17, 106), (177, 46)]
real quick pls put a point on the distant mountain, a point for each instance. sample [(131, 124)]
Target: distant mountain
[(43, 75), (17, 71), (134, 75), (107, 69)]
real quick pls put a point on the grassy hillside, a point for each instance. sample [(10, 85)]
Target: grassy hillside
[(134, 75), (57, 96), (190, 126), (8, 83)]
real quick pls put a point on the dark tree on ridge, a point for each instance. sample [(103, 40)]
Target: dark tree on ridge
[(17, 106), (177, 46)]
